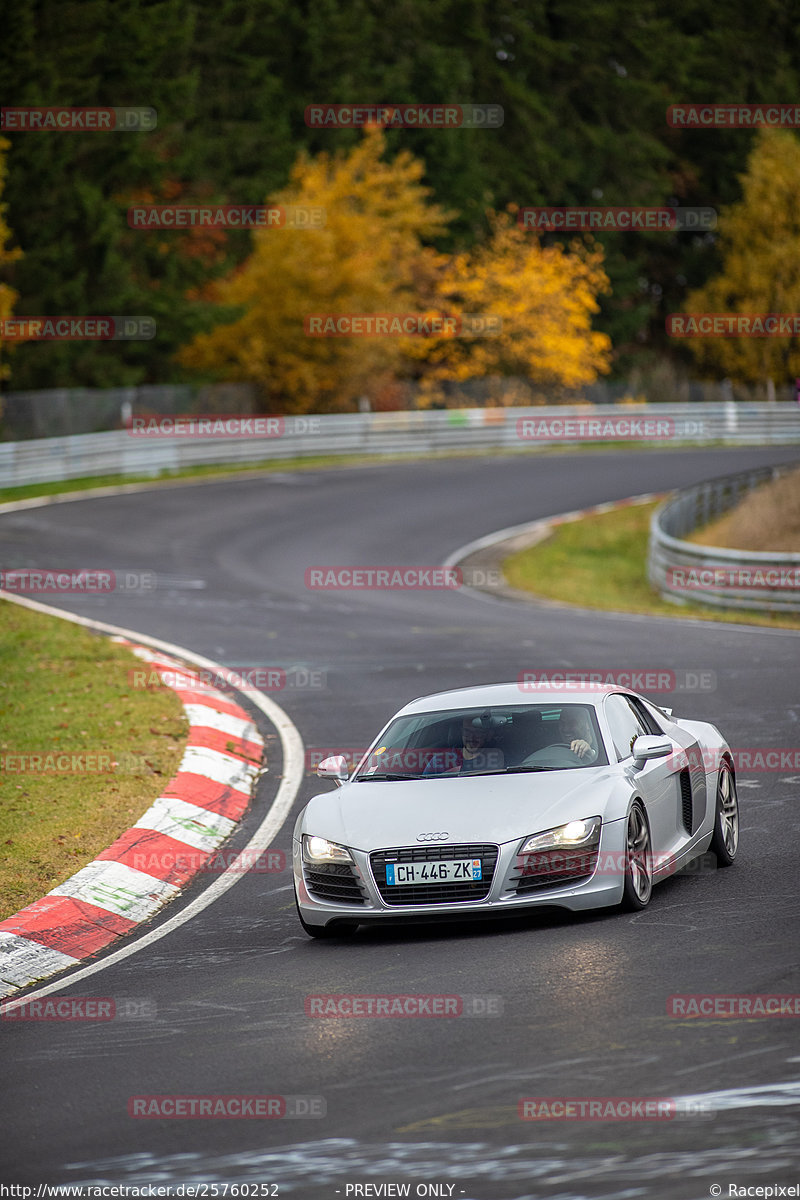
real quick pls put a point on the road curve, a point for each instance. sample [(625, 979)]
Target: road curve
[(583, 998)]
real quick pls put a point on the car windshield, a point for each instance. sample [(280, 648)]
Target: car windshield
[(486, 741)]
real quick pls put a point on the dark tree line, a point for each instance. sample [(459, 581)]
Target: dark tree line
[(585, 85)]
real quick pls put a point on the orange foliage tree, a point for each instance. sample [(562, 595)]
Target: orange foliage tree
[(370, 257), (760, 243), (543, 300)]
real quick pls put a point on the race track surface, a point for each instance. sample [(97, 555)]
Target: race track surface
[(583, 997)]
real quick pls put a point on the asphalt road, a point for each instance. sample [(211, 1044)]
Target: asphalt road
[(583, 997)]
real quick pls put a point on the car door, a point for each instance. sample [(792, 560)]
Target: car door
[(657, 780), (692, 791)]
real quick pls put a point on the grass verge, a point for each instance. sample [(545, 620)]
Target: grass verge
[(65, 691), (601, 562), (768, 518)]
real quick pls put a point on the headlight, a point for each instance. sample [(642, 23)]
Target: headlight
[(574, 833), (320, 850)]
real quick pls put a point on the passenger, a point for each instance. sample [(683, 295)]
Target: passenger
[(476, 752)]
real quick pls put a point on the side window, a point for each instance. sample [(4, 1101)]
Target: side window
[(647, 715), (625, 724)]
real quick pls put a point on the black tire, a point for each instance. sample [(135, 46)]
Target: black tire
[(333, 929), (725, 841), (638, 886)]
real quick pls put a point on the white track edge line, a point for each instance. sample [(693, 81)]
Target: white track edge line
[(292, 748)]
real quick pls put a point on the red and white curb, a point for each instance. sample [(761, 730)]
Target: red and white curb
[(175, 838)]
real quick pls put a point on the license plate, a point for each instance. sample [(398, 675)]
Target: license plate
[(460, 870)]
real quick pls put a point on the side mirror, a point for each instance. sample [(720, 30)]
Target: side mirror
[(334, 768), (650, 746)]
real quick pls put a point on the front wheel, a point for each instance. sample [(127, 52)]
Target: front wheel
[(638, 862), (725, 841)]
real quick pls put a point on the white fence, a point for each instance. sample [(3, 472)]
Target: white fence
[(416, 432)]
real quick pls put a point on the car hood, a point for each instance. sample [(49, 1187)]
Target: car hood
[(496, 808)]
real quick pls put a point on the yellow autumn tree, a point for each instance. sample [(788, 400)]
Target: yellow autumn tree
[(368, 257), (7, 293), (544, 297), (760, 243)]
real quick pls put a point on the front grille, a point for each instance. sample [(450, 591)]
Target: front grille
[(333, 881), (687, 814), (553, 867), (435, 893)]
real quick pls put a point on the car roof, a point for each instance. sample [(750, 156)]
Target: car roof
[(512, 694)]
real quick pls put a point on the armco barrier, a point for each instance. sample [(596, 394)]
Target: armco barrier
[(686, 571), (44, 460)]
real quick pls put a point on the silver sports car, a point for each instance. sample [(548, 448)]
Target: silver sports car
[(492, 799)]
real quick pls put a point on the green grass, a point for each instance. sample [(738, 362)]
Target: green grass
[(65, 690), (601, 562)]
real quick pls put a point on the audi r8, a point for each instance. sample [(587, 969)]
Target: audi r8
[(490, 800)]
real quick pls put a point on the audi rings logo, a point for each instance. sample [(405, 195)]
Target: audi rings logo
[(432, 837)]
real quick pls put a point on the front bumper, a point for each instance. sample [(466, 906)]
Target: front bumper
[(602, 889)]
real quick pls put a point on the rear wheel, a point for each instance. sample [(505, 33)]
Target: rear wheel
[(725, 841), (638, 862)]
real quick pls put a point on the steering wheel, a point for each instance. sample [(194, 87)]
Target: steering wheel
[(539, 756)]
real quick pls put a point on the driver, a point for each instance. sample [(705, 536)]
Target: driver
[(575, 729)]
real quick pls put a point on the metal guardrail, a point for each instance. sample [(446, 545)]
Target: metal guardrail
[(119, 452), (725, 578)]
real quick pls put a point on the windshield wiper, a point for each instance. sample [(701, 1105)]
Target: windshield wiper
[(383, 777), (531, 770)]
